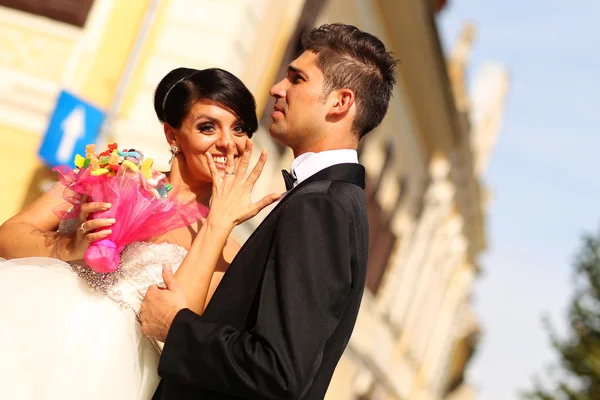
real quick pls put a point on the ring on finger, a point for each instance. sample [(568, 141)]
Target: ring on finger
[(82, 227)]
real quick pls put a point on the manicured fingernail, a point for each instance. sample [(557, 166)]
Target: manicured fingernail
[(112, 220), (107, 205)]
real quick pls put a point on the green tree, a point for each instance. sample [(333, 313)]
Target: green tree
[(579, 352)]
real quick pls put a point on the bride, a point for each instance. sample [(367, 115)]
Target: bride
[(59, 339)]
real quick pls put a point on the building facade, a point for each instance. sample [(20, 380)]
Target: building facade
[(416, 330)]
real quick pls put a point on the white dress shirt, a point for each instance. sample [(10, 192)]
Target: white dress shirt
[(308, 164)]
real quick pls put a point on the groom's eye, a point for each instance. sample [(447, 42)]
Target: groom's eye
[(294, 77)]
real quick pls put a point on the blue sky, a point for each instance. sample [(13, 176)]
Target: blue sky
[(543, 174)]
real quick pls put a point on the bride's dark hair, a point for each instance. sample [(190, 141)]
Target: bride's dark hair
[(181, 88)]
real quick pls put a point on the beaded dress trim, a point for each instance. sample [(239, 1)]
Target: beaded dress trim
[(141, 266)]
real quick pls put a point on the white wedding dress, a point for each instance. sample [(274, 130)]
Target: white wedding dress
[(60, 340)]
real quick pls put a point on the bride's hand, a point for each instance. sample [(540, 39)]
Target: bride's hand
[(231, 201), (91, 230)]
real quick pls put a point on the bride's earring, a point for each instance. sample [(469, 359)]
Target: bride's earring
[(174, 151)]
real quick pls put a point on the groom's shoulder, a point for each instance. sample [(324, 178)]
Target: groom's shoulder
[(330, 189), (321, 196)]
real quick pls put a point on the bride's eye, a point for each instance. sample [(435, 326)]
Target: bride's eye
[(239, 130), (206, 128)]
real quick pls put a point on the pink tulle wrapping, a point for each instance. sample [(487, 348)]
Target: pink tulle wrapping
[(103, 255), (139, 216)]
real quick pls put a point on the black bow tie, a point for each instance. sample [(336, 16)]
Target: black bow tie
[(289, 179)]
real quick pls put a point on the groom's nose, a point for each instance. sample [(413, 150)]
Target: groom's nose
[(278, 89)]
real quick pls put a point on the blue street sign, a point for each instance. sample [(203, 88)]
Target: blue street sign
[(73, 125)]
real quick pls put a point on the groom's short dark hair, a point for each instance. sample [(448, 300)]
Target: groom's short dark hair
[(352, 59)]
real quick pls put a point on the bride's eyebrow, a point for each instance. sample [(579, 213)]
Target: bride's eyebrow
[(208, 117)]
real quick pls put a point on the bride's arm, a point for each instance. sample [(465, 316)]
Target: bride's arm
[(229, 252), (198, 271), (33, 231), (230, 206)]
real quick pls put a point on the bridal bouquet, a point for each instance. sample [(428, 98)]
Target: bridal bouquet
[(139, 197)]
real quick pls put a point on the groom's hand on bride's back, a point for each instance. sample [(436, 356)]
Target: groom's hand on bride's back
[(160, 306)]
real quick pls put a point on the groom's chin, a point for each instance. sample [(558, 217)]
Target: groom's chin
[(277, 132)]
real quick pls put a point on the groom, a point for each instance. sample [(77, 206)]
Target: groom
[(282, 316)]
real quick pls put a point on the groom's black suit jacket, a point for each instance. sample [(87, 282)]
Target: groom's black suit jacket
[(279, 321)]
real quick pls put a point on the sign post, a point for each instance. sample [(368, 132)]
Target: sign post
[(73, 124)]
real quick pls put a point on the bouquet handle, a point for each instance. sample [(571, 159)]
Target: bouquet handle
[(103, 256)]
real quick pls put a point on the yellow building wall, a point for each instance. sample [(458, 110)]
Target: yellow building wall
[(48, 56), (38, 54), (113, 51), (34, 52), (17, 163)]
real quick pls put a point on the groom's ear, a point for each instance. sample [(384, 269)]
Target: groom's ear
[(341, 101)]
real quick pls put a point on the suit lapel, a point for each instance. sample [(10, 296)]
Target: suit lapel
[(347, 172), (350, 172)]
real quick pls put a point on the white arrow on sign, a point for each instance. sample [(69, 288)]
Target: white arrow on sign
[(73, 128)]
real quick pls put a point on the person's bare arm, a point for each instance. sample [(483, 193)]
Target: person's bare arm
[(230, 205), (229, 252), (33, 231)]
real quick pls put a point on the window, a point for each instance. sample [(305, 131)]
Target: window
[(381, 244), (74, 12), (381, 238)]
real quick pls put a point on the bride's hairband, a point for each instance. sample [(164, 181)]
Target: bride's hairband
[(164, 102)]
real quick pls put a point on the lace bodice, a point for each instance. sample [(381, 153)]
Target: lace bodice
[(141, 267)]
